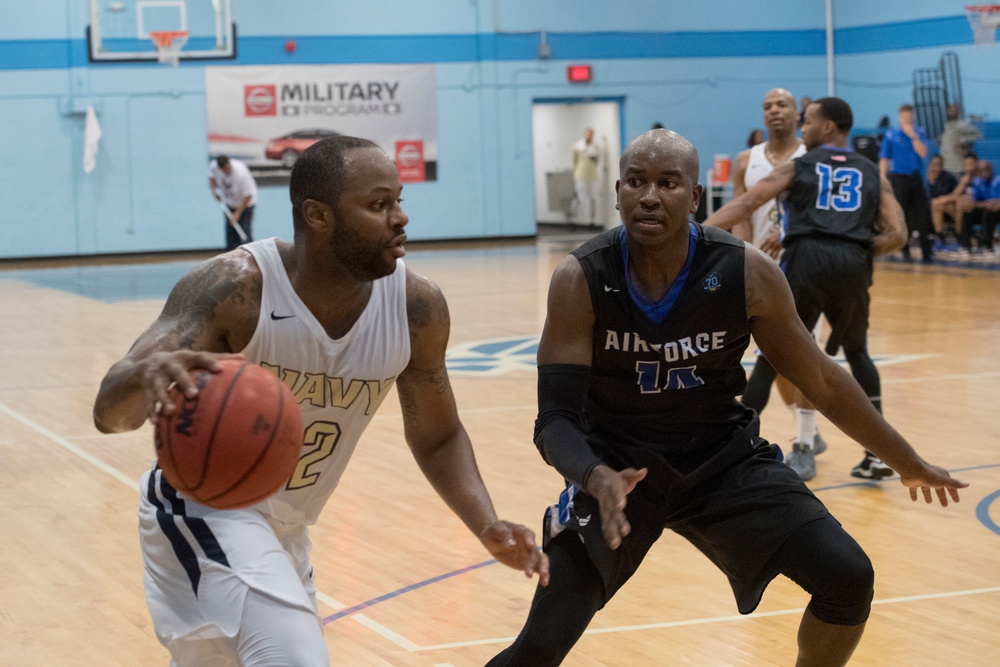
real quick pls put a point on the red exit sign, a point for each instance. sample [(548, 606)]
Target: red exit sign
[(579, 73)]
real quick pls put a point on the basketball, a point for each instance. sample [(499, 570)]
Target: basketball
[(236, 442)]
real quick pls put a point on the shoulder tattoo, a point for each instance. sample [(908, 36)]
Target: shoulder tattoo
[(198, 299)]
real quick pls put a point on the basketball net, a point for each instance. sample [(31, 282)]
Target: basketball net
[(168, 45), (984, 20)]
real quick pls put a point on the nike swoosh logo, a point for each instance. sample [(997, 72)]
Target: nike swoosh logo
[(608, 288), (280, 317)]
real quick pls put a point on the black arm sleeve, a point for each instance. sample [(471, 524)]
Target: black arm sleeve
[(562, 392)]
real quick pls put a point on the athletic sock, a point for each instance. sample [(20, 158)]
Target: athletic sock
[(807, 425)]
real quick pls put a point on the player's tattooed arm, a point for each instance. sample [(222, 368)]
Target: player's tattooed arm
[(423, 386), (433, 430), (212, 310), (741, 207)]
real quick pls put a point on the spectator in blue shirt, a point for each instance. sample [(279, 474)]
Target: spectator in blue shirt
[(901, 160), (982, 207)]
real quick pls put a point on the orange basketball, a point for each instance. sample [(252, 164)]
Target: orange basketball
[(236, 442)]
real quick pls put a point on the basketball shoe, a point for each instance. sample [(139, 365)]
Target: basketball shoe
[(871, 467), (819, 444), (802, 459)]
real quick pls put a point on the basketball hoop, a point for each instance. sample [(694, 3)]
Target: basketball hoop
[(168, 45), (984, 20)]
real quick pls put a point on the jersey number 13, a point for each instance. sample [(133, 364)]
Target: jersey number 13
[(839, 188)]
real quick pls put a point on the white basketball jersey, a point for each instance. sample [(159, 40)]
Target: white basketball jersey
[(758, 166), (339, 384)]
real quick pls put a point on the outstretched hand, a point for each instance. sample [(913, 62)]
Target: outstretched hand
[(514, 545), (610, 488), (161, 370), (771, 245), (930, 478)]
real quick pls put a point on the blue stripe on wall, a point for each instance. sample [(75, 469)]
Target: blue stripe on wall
[(36, 54), (949, 30), (944, 31)]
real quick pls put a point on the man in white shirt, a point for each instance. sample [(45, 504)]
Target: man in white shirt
[(586, 157), (239, 194)]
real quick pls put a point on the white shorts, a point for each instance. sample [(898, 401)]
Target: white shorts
[(201, 563)]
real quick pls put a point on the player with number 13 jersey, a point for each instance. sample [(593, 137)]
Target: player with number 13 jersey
[(835, 193)]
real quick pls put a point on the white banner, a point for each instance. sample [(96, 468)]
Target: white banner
[(266, 116)]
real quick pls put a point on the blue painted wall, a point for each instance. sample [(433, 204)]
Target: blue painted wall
[(699, 68)]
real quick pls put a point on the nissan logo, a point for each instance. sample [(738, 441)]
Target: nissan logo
[(260, 99), (409, 156)]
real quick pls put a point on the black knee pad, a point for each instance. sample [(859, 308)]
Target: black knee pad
[(846, 597), (833, 568)]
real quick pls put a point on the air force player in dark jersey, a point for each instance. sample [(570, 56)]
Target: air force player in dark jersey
[(638, 374), (839, 214)]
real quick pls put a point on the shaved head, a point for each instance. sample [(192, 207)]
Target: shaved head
[(665, 144), (781, 92)]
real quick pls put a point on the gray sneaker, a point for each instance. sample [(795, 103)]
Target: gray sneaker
[(802, 460), (819, 444)]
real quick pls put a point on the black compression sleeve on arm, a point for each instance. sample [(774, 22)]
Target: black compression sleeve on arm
[(562, 392)]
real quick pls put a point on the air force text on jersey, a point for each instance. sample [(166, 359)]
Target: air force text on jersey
[(677, 350)]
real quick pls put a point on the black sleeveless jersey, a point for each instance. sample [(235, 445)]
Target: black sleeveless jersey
[(835, 194), (670, 386)]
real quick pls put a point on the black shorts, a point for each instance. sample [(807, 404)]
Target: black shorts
[(831, 277), (737, 508)]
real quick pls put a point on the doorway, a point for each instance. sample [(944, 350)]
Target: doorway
[(556, 125)]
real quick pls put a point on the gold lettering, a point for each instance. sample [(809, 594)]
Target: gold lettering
[(339, 398), (312, 390), (376, 392)]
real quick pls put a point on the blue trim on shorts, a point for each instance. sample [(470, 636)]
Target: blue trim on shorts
[(199, 528), (185, 554)]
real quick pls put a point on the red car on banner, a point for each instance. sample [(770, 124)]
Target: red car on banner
[(287, 149)]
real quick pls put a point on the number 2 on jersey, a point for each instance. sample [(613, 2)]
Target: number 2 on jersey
[(847, 183), (322, 437)]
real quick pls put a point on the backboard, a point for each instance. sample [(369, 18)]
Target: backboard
[(119, 30)]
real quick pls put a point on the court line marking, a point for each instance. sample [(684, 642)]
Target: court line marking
[(71, 448), (983, 511), (937, 378), (405, 589), (717, 619), (408, 645), (134, 485)]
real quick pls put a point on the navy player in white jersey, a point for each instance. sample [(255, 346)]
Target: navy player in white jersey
[(638, 374), (840, 214), (762, 230), (338, 317)]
